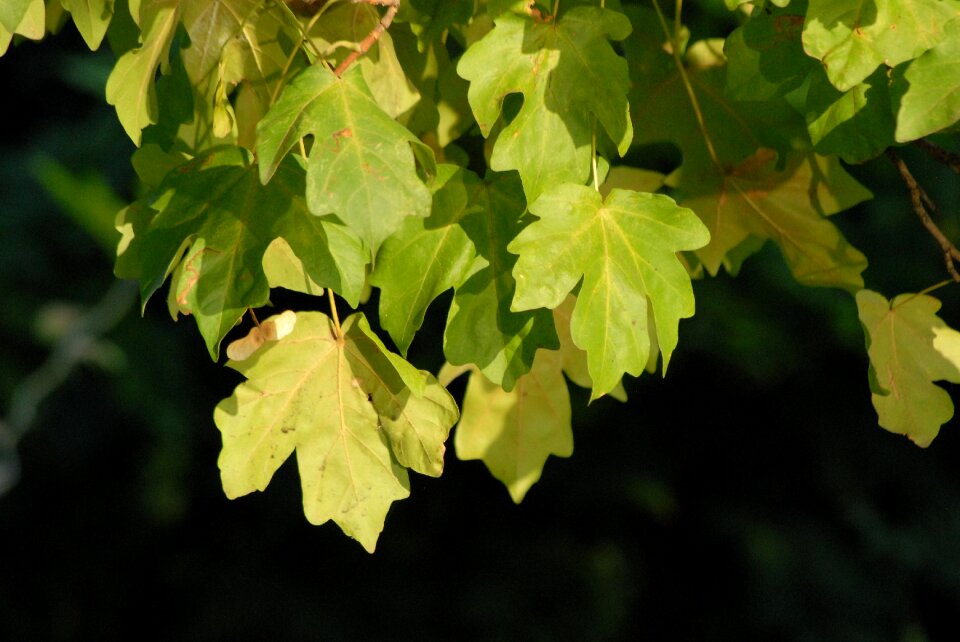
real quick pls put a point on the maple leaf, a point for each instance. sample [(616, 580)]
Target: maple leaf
[(570, 78), (624, 250), (755, 199), (426, 257), (514, 432), (745, 191), (852, 38), (346, 407), (361, 166), (213, 207), (910, 347), (131, 85)]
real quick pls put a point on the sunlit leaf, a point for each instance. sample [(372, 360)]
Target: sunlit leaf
[(343, 408), (910, 347), (360, 167), (624, 250), (570, 78)]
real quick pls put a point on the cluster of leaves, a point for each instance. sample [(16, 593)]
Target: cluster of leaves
[(272, 155)]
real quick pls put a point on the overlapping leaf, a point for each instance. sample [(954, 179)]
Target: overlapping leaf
[(216, 215), (514, 432), (856, 125), (756, 199), (749, 191), (852, 37), (131, 87), (482, 328), (910, 347), (927, 91), (32, 23), (765, 56), (570, 78), (361, 166), (348, 412), (624, 250), (385, 76), (92, 18), (426, 257)]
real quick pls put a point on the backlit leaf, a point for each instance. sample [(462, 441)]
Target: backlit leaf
[(910, 347), (345, 411), (927, 91), (570, 78), (361, 166), (514, 432), (852, 37), (747, 194), (426, 257), (624, 250), (788, 206), (482, 328), (92, 18), (211, 212), (131, 87)]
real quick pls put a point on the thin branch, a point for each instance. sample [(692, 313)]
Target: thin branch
[(920, 202), (392, 7), (674, 39), (948, 158)]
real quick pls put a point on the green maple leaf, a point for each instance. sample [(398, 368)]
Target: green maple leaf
[(570, 78), (131, 85), (436, 16), (574, 360), (624, 250), (910, 347), (346, 409), (747, 197), (856, 125), (926, 92), (788, 206), (383, 72), (514, 432), (12, 13), (426, 257), (211, 212), (765, 57), (361, 166), (852, 37), (92, 17), (482, 328)]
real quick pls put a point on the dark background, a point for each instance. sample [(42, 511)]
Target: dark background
[(749, 495)]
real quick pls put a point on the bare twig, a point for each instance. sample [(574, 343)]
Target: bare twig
[(921, 202), (948, 158), (392, 7)]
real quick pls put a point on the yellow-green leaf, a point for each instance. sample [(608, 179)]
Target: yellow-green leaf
[(910, 348)]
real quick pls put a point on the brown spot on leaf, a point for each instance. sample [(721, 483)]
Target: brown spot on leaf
[(346, 132)]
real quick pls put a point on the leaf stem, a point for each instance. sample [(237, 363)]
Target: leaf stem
[(556, 8), (333, 313), (924, 292), (253, 315), (593, 156), (694, 102), (921, 202)]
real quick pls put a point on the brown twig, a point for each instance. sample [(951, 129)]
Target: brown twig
[(921, 201), (948, 158), (392, 7)]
